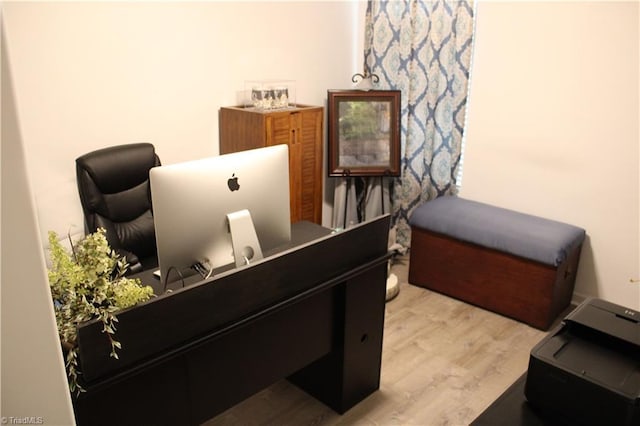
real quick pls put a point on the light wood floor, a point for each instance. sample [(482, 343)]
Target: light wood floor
[(443, 363)]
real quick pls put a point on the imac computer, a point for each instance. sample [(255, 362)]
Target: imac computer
[(220, 211)]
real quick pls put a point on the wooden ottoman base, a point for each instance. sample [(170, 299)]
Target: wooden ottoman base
[(519, 288)]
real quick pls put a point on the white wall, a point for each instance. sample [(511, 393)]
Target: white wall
[(34, 383), (92, 74), (553, 127)]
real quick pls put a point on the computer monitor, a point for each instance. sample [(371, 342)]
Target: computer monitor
[(193, 201)]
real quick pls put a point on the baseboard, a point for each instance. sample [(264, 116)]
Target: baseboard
[(578, 298)]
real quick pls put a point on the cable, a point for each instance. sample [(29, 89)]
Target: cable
[(204, 268), (166, 278)]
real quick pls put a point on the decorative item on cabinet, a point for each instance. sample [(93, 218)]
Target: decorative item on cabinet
[(269, 94), (301, 128)]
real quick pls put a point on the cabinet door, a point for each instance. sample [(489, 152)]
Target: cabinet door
[(281, 128), (310, 165), (296, 159), (302, 131)]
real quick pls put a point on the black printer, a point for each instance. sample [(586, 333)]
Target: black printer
[(587, 370)]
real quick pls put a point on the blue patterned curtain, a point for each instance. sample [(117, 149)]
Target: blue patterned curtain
[(423, 48)]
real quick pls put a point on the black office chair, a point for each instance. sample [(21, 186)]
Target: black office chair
[(115, 194)]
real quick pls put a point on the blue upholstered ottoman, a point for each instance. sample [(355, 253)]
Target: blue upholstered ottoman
[(515, 264)]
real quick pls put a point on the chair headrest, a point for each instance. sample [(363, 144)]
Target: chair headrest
[(120, 167)]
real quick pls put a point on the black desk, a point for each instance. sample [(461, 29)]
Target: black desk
[(512, 409), (313, 313)]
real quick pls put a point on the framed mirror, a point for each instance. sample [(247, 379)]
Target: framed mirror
[(364, 132)]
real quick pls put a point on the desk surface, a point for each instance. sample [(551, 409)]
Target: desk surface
[(512, 409), (301, 233)]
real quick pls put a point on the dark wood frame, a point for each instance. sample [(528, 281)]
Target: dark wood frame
[(337, 165)]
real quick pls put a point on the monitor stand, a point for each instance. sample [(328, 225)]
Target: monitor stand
[(246, 247)]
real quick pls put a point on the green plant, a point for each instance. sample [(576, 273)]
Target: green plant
[(86, 284)]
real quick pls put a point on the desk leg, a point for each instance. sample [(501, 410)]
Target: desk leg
[(351, 372)]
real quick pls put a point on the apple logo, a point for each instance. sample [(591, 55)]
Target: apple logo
[(232, 183)]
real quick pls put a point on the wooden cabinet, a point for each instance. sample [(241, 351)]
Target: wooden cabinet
[(301, 129)]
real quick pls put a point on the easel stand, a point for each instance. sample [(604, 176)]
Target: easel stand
[(361, 201)]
